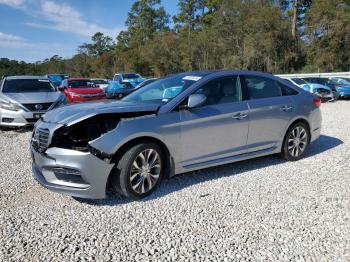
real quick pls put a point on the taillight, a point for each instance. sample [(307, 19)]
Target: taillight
[(317, 101)]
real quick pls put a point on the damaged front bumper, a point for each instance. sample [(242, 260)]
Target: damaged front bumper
[(71, 172)]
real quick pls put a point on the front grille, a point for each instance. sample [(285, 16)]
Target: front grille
[(38, 106)]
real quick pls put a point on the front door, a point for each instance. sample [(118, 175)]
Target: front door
[(217, 129)]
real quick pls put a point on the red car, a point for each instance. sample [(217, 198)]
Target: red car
[(81, 90)]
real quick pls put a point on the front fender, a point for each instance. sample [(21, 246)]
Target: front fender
[(158, 127)]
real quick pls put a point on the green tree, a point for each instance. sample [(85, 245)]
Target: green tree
[(328, 32), (146, 18), (100, 44)]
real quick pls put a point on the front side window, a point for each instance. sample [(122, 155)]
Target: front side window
[(222, 90), (287, 91), (258, 87), (116, 78), (28, 86)]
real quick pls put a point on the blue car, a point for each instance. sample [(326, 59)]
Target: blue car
[(56, 79), (118, 90), (324, 92), (342, 86), (131, 78)]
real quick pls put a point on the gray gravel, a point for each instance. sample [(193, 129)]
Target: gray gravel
[(262, 209)]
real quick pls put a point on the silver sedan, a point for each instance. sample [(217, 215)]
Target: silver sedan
[(176, 124), (24, 99)]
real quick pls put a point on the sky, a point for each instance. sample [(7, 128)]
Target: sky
[(32, 30)]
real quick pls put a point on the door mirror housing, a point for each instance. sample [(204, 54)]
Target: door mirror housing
[(196, 100), (61, 88)]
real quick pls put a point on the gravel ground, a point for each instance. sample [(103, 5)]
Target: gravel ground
[(262, 209)]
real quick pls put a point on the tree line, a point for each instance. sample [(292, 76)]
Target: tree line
[(277, 36)]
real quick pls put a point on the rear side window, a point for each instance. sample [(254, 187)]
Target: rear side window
[(27, 86), (287, 91), (222, 90), (258, 87)]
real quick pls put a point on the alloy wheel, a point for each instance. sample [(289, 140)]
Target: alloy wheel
[(297, 141), (145, 171)]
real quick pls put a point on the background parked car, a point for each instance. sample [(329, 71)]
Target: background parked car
[(118, 90), (56, 79), (24, 99), (324, 92), (81, 90), (101, 83), (132, 78), (325, 82), (342, 86)]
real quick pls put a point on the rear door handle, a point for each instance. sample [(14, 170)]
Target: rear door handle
[(239, 116), (286, 108)]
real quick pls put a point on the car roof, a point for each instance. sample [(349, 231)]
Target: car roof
[(25, 77)]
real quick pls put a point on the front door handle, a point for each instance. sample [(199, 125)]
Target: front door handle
[(239, 116), (286, 108)]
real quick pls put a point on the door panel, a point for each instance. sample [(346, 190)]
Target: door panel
[(214, 131), (269, 118)]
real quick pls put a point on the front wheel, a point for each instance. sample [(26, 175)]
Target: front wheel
[(139, 170), (296, 142)]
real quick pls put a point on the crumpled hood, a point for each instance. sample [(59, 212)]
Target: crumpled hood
[(32, 98), (74, 113)]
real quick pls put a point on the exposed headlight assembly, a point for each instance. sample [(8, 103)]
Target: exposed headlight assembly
[(9, 105)]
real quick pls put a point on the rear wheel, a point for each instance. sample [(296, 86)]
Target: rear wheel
[(296, 142), (139, 170)]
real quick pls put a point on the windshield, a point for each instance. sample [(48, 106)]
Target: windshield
[(28, 86), (131, 76), (80, 83), (298, 81), (163, 90)]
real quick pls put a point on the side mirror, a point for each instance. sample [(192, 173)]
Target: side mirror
[(196, 100), (61, 88)]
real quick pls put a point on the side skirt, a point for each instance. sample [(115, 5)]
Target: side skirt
[(227, 160)]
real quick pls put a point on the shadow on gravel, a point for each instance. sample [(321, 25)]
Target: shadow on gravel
[(179, 182), (17, 129)]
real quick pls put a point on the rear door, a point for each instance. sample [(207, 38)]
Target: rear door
[(270, 111), (217, 129)]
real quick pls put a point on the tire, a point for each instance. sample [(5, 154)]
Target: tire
[(295, 144), (132, 177)]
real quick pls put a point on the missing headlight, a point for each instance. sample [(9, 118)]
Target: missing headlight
[(77, 136)]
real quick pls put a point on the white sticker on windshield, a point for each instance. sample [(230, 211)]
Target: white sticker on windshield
[(44, 80), (192, 78)]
